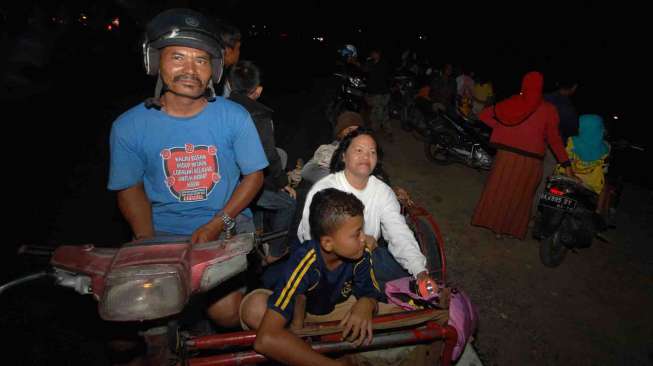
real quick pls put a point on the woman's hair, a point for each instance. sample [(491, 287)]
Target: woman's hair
[(329, 208), (338, 163)]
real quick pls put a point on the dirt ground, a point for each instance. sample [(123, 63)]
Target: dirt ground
[(592, 310)]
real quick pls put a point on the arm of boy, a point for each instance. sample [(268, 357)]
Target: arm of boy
[(276, 342), (358, 321), (299, 313)]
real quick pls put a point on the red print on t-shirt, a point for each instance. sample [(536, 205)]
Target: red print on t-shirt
[(191, 171)]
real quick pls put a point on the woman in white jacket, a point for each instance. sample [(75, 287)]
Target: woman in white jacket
[(354, 168)]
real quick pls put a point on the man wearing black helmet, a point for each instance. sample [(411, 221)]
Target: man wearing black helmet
[(177, 159)]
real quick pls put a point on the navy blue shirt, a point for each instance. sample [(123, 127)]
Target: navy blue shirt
[(568, 116), (306, 273)]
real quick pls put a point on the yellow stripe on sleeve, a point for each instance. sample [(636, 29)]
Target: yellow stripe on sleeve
[(298, 269), (297, 281)]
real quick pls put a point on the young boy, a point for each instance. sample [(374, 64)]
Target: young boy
[(277, 198), (319, 277)]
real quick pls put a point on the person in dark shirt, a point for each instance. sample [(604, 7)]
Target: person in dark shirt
[(568, 127), (319, 278), (561, 99), (378, 92), (443, 90), (278, 198)]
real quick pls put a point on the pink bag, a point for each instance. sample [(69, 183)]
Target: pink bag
[(463, 315)]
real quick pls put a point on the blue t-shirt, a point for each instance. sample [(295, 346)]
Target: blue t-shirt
[(189, 166), (306, 273)]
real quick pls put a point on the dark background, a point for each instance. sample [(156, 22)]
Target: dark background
[(57, 122)]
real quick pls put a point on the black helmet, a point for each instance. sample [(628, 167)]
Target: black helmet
[(181, 27)]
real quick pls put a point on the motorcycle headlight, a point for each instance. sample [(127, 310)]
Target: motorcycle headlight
[(143, 293)]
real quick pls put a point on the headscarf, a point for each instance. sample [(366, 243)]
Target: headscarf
[(589, 144), (518, 108)]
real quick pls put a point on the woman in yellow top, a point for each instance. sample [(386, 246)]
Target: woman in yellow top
[(588, 153)]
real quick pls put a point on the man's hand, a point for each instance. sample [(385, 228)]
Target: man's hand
[(370, 243), (358, 321), (208, 232)]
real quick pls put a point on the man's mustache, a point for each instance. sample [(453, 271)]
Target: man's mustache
[(187, 77)]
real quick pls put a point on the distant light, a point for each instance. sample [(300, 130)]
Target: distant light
[(116, 21), (264, 26), (318, 38), (109, 27), (253, 25), (615, 117), (360, 30)]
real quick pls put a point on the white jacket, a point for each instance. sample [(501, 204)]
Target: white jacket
[(382, 215)]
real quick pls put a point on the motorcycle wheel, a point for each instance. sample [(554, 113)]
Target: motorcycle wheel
[(436, 147), (552, 251)]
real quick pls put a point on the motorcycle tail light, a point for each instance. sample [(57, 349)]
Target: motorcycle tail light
[(556, 191), (143, 293)]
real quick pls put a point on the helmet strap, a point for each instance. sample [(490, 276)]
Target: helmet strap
[(155, 101), (210, 92)]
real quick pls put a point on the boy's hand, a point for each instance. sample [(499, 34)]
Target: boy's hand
[(358, 321)]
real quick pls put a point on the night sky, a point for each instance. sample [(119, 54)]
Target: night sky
[(593, 42)]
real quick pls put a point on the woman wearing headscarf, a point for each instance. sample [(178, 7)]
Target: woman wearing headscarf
[(522, 126), (588, 153)]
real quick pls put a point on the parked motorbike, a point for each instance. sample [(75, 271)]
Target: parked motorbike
[(453, 139), (349, 96), (567, 218)]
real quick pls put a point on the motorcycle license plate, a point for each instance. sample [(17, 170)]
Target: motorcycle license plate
[(562, 203)]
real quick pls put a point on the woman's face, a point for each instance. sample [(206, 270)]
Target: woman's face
[(360, 157)]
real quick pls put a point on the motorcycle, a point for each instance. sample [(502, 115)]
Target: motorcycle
[(349, 96), (151, 282), (454, 139), (567, 218)]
